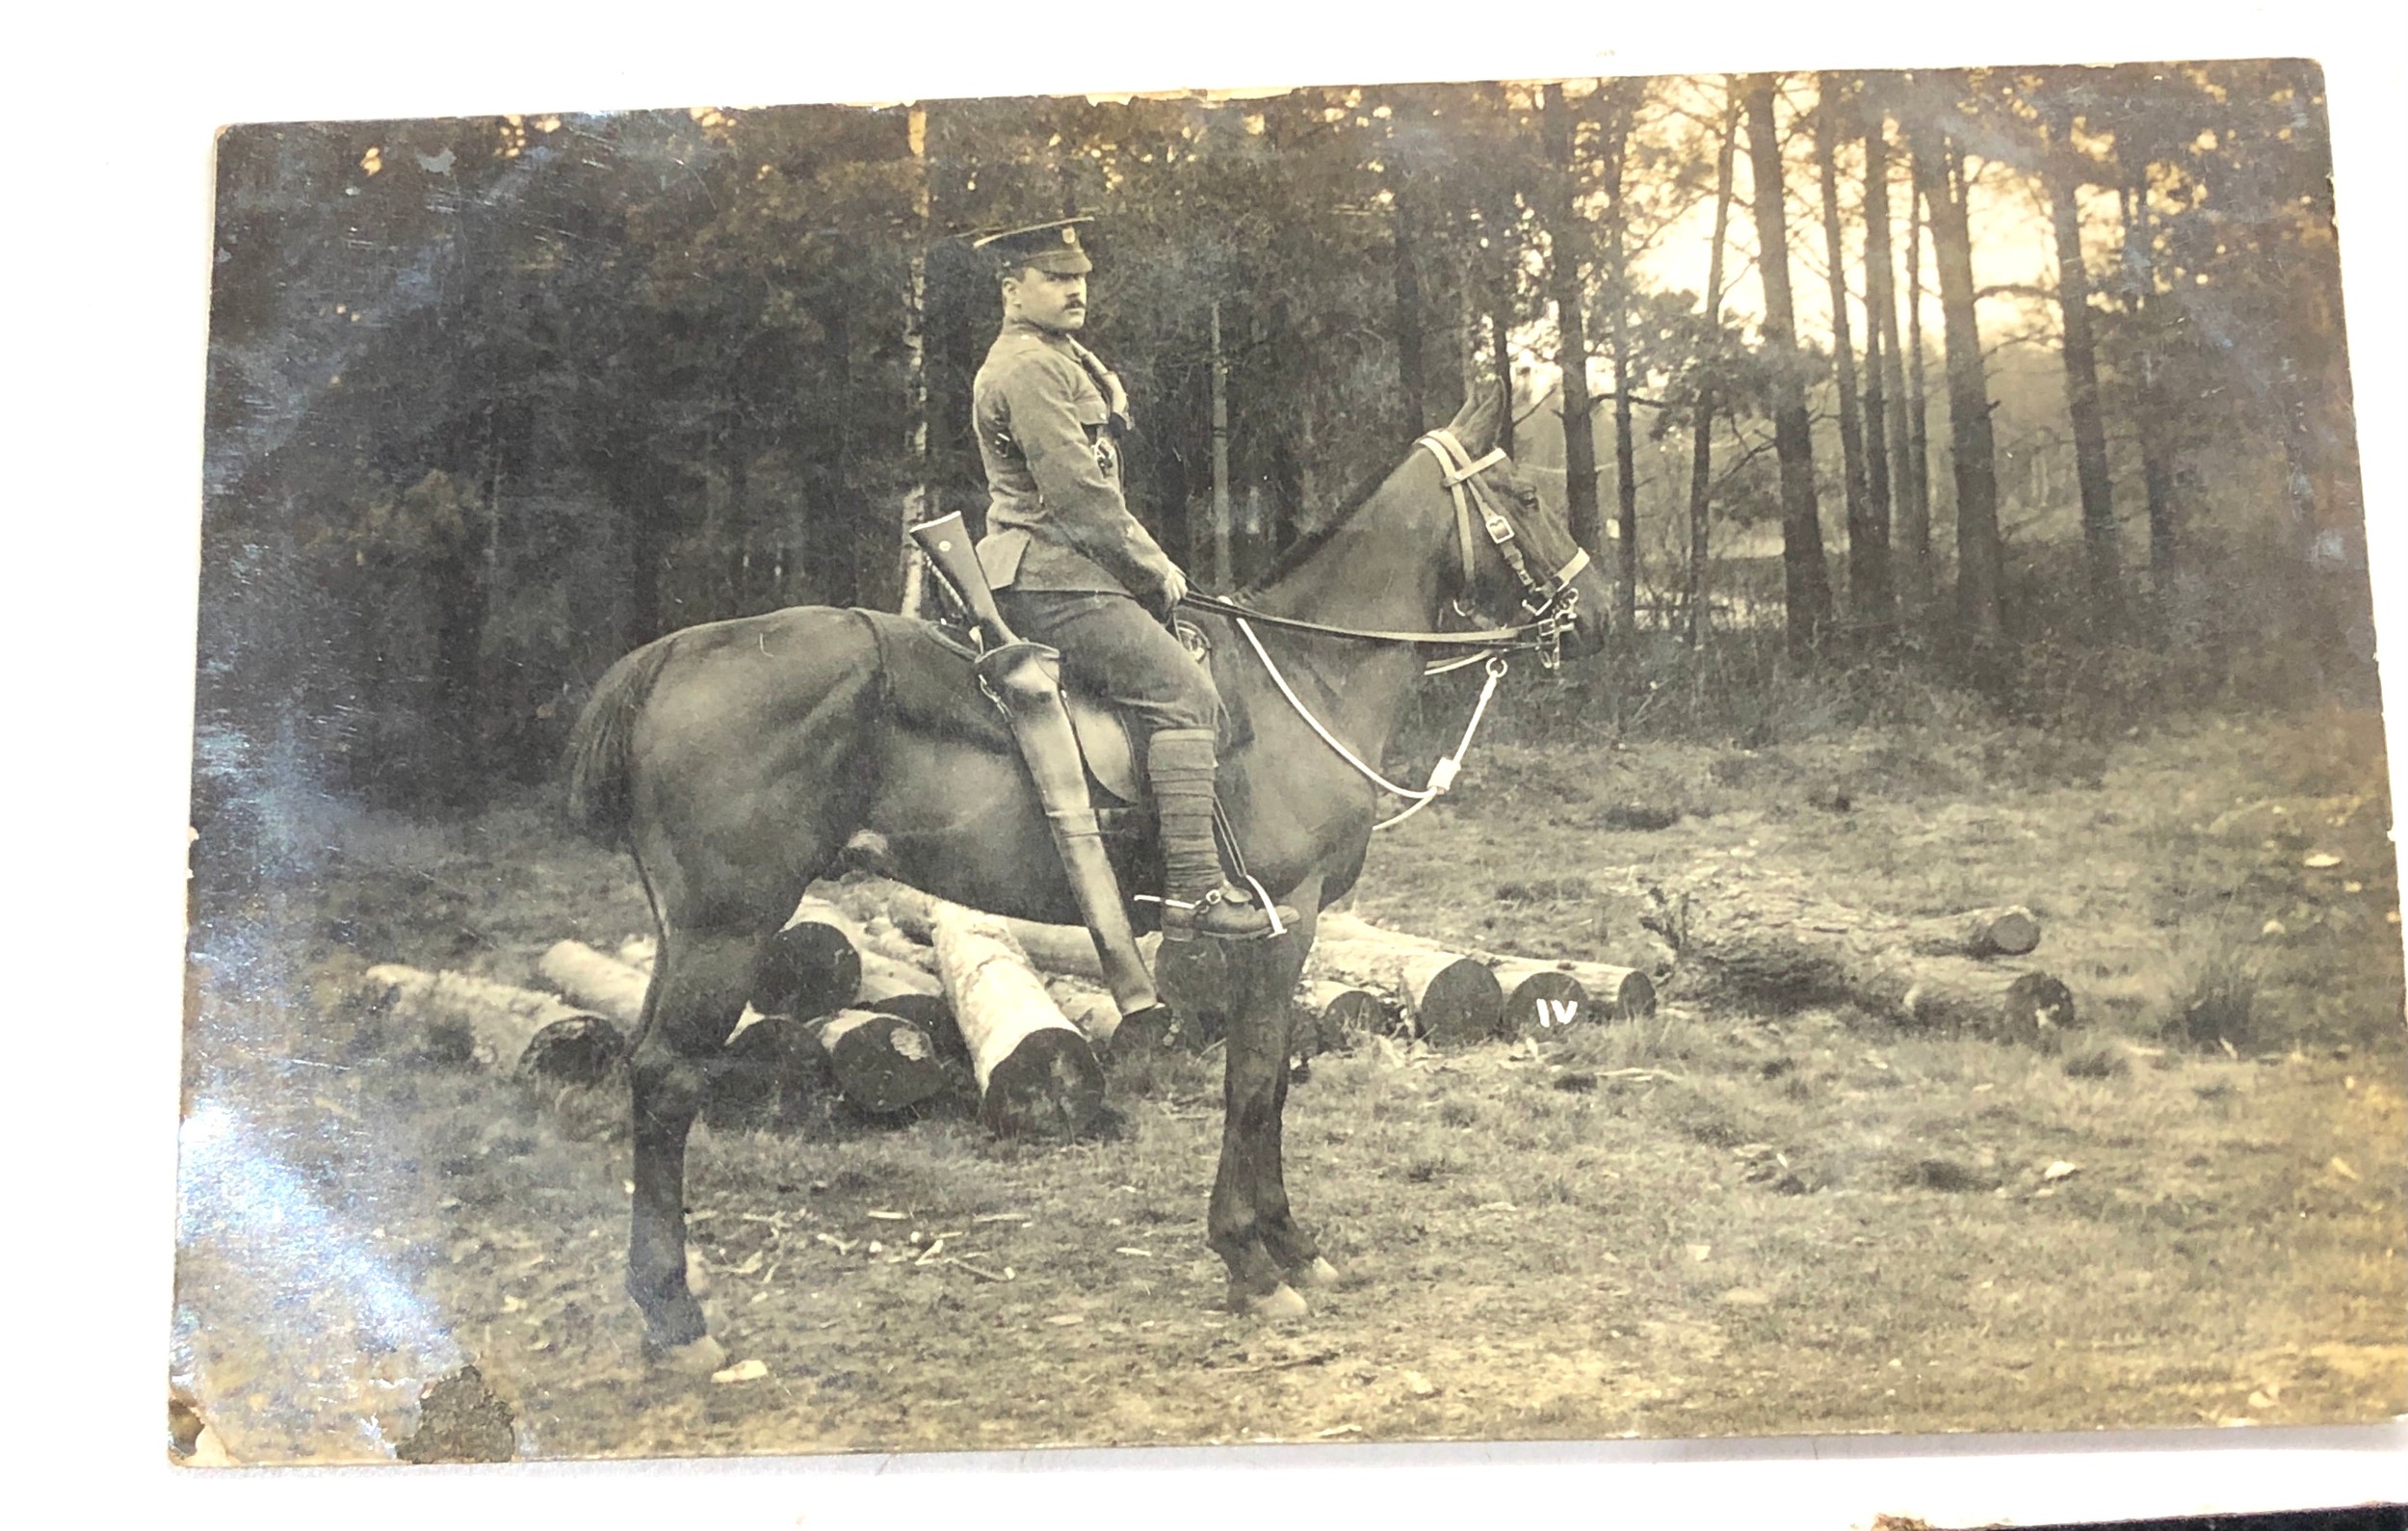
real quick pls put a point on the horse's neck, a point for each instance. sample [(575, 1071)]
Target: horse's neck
[(1385, 568)]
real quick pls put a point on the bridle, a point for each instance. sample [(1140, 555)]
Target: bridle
[(1553, 605), (1551, 602)]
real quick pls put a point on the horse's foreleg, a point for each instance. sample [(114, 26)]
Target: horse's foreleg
[(1292, 1246), (698, 992), (1249, 1232)]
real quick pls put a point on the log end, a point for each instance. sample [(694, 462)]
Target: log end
[(806, 970), (1634, 998), (582, 1050), (2010, 931), (883, 1062), (1460, 1002), (1050, 1087), (2039, 1009), (1350, 1015), (1545, 1002), (767, 1077), (1194, 980), (934, 1014)]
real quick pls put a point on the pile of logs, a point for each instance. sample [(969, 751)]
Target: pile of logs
[(896, 998), (1454, 996)]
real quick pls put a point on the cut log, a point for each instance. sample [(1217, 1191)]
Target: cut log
[(881, 1062), (1199, 985), (871, 932), (931, 1012), (771, 1073), (1613, 994), (1067, 949), (1036, 1074), (1341, 1014), (1793, 950), (1623, 993), (913, 971), (808, 969), (2008, 932), (519, 1031), (1541, 1001), (1451, 998), (605, 985)]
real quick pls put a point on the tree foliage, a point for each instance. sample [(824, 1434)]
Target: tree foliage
[(491, 400)]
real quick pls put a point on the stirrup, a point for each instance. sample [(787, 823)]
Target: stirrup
[(1217, 915)]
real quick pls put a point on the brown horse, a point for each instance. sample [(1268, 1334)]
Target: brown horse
[(737, 759)]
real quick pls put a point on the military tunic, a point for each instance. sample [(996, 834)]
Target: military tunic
[(1045, 412), (1070, 567)]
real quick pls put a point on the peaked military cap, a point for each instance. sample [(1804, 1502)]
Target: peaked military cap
[(1051, 248)]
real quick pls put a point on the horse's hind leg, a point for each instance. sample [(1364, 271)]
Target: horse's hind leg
[(696, 996)]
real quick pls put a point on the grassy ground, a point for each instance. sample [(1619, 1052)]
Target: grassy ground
[(1718, 1222)]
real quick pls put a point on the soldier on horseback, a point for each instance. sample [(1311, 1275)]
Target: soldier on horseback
[(1071, 568)]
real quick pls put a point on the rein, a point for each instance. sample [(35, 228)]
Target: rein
[(1550, 605)]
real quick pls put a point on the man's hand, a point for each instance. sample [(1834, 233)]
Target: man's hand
[(1174, 589)]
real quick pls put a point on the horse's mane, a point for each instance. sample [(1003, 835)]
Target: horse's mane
[(1313, 542), (1475, 422)]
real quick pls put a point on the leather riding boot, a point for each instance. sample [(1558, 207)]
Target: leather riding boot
[(1197, 899)]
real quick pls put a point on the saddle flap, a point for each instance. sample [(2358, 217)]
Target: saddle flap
[(1103, 731)]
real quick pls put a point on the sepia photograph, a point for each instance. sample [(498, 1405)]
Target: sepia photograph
[(1556, 758)]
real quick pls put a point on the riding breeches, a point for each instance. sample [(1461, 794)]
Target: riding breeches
[(1112, 649)]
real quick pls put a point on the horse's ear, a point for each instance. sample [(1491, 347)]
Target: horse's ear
[(1475, 424)]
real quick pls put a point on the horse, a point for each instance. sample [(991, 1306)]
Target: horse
[(736, 759)]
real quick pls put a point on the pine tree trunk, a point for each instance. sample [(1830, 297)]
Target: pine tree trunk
[(1221, 569), (1617, 130), (1565, 244), (2149, 422), (1701, 439), (2102, 556), (1887, 454), (1806, 580), (1915, 523), (1979, 564), (916, 503), (1868, 539), (1405, 278), (1504, 257)]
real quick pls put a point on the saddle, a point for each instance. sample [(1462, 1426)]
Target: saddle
[(930, 684)]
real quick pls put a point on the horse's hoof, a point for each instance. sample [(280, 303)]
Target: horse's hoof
[(1278, 1304), (697, 1358), (1315, 1275)]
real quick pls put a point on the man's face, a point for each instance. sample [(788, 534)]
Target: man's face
[(1046, 300)]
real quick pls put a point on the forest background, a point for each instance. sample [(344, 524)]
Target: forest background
[(2027, 384)]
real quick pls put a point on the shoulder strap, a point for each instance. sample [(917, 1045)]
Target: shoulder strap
[(1107, 383)]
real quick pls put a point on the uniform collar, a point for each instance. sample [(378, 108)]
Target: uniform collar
[(1023, 326)]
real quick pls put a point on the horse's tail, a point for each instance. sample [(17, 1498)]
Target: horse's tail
[(598, 746)]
